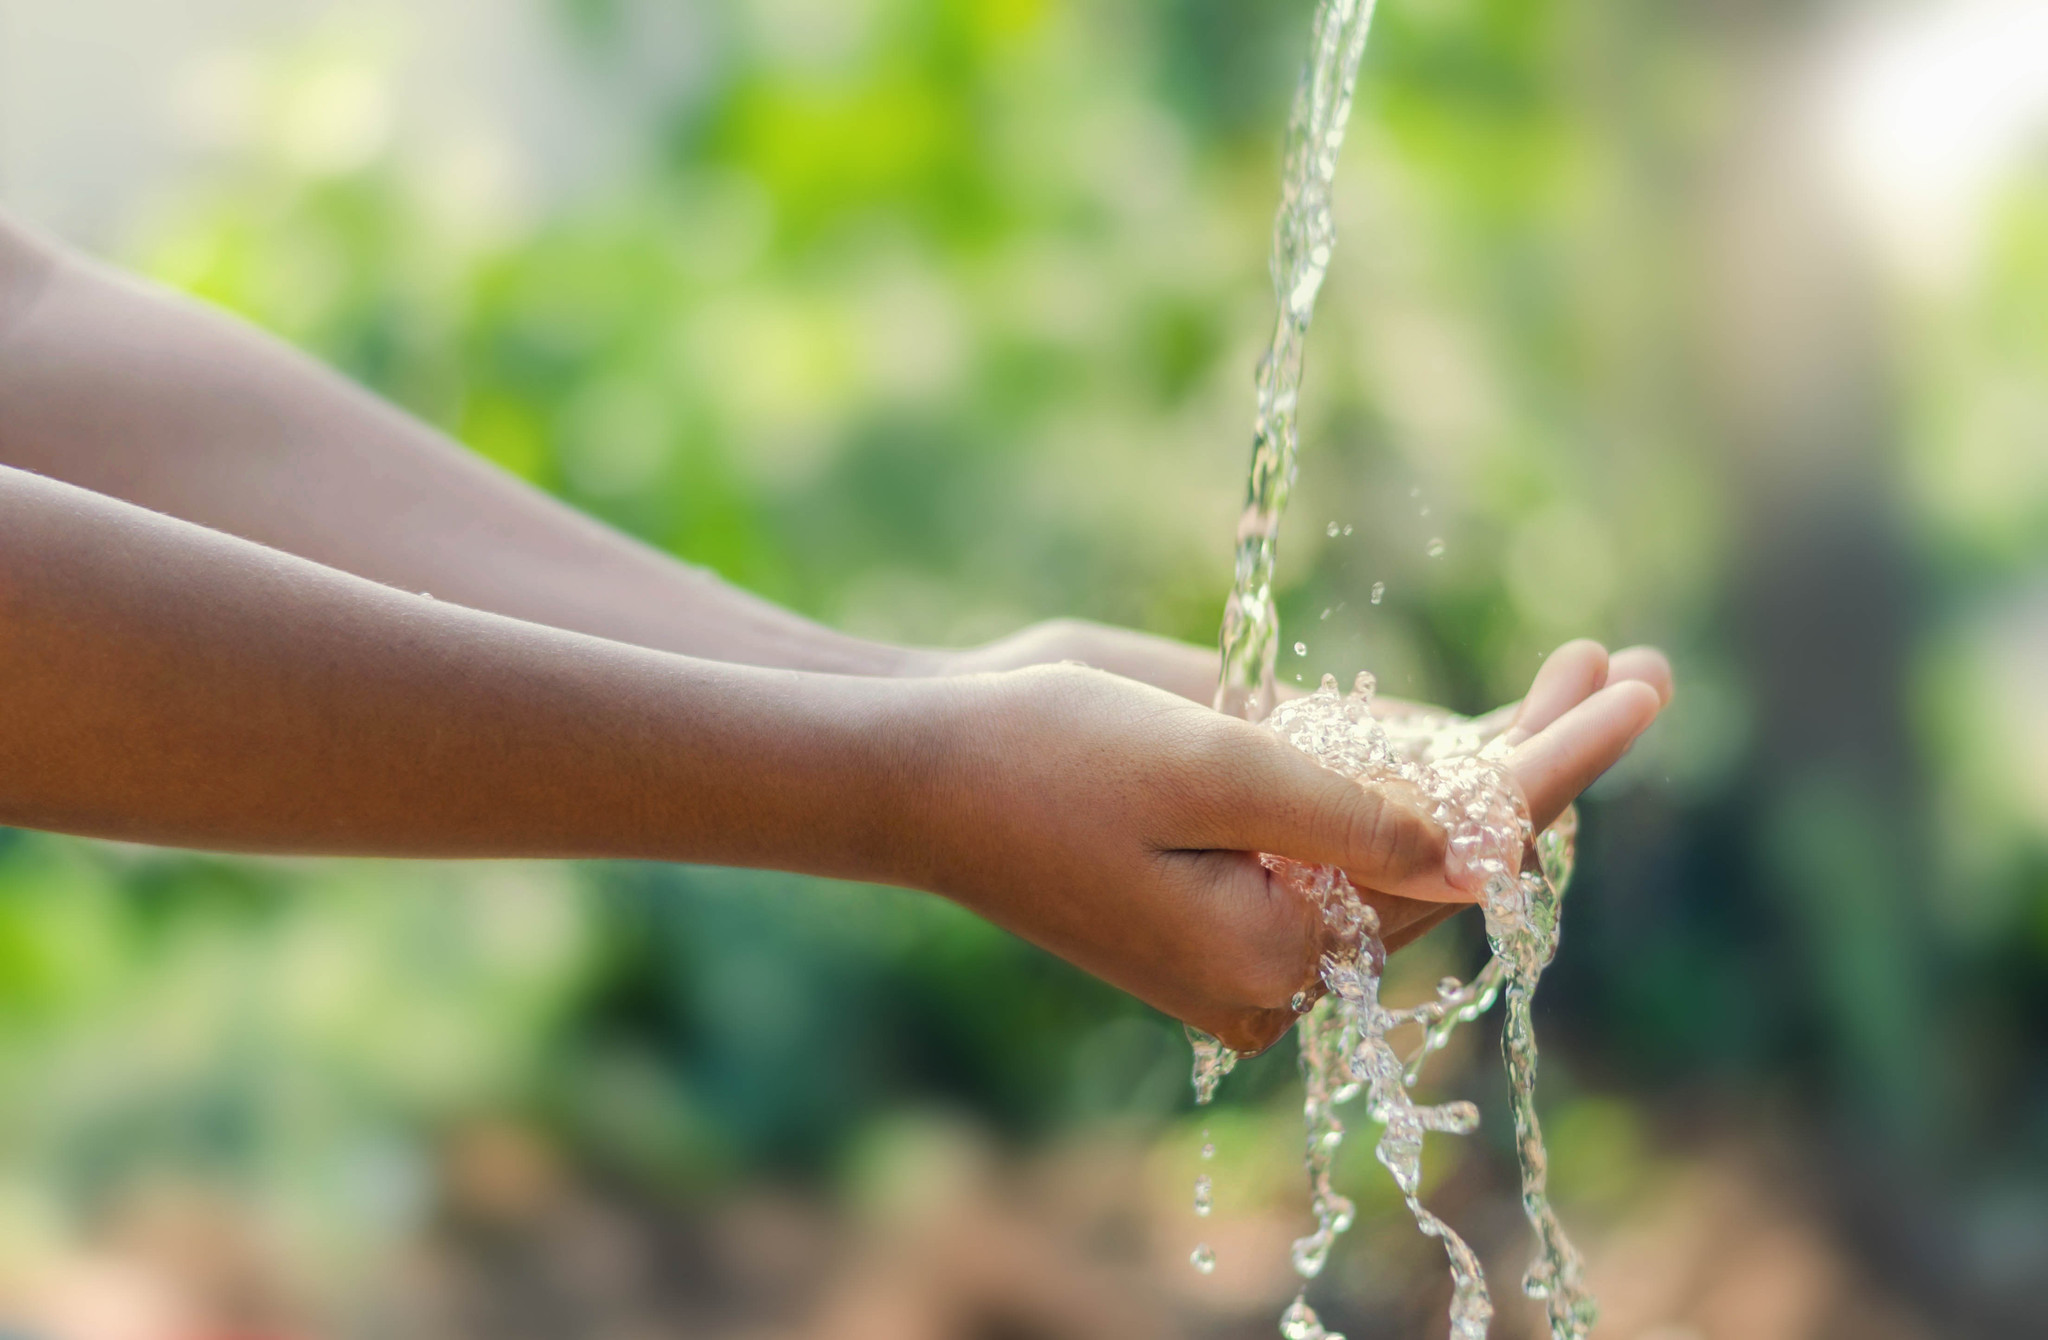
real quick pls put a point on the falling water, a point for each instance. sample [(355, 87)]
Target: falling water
[(1304, 235), (1456, 765), (1517, 876)]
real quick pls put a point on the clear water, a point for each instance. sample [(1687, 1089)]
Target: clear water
[(1517, 876), (1346, 1047), (1304, 235)]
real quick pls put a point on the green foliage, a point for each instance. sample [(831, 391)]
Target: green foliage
[(929, 317)]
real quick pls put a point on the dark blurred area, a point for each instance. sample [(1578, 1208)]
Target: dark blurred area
[(1720, 326)]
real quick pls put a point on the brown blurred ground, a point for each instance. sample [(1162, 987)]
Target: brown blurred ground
[(1086, 1241)]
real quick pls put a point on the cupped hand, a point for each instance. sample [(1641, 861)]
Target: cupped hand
[(1558, 751), (1120, 826)]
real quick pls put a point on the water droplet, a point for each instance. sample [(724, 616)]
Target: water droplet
[(1208, 1148), (1213, 1061), (1435, 547), (1325, 615), (1203, 1259), (1301, 649), (1415, 492), (1300, 1322), (1312, 1253), (1332, 530), (1424, 511), (1465, 793), (1205, 1195), (1379, 592), (1347, 530)]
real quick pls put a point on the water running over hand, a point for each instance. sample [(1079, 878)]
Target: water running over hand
[(1494, 854), (1517, 876)]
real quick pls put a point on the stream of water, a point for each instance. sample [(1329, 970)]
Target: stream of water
[(1516, 875)]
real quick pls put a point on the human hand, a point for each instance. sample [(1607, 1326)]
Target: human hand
[(1179, 668), (1190, 671), (1567, 677), (1119, 826)]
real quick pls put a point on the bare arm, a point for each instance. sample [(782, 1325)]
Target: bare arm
[(149, 397), (142, 395), (160, 682)]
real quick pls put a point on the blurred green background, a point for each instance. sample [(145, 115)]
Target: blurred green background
[(1723, 326)]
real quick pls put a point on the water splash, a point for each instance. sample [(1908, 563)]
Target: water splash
[(1300, 1322), (1517, 876), (1213, 1061), (1346, 1050)]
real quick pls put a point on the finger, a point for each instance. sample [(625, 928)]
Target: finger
[(1646, 664), (1384, 840), (1381, 835), (1251, 1029), (1567, 678), (1563, 759)]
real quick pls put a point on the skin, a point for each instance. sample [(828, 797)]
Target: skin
[(211, 636)]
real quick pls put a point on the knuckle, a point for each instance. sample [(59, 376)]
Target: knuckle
[(1212, 767), (1217, 747), (1385, 832), (1354, 820)]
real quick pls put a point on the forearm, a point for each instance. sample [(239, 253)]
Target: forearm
[(164, 683), (146, 397)]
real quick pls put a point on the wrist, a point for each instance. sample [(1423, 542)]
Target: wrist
[(934, 738), (901, 788)]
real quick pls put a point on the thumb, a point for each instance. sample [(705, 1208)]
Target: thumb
[(1379, 833)]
